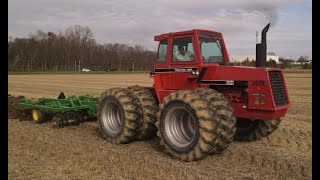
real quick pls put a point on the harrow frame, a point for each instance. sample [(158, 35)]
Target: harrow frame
[(86, 103)]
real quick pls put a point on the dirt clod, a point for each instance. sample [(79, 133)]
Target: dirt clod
[(16, 111)]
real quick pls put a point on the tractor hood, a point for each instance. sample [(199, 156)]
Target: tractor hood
[(235, 73), (266, 82)]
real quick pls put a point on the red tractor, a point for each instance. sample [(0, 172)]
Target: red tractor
[(199, 102)]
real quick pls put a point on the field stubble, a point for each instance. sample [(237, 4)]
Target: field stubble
[(78, 152)]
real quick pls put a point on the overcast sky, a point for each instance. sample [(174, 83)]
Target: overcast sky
[(137, 22)]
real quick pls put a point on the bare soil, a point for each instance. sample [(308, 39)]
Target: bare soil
[(39, 151), (15, 111)]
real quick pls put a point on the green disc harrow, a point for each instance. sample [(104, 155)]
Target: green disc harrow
[(62, 111)]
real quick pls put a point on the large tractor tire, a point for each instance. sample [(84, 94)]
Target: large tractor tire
[(119, 115), (149, 107), (248, 130), (224, 113), (187, 126)]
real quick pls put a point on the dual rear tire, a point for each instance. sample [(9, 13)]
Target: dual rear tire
[(127, 114), (119, 115), (187, 126), (195, 124)]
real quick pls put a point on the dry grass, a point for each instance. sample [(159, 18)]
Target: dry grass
[(78, 152)]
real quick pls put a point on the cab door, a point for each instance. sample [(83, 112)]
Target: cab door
[(161, 66), (180, 70)]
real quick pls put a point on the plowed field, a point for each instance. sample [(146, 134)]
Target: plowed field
[(39, 151)]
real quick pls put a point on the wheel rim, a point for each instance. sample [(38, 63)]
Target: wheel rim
[(35, 115), (179, 127), (112, 118)]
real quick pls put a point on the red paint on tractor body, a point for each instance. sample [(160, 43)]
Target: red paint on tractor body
[(248, 89)]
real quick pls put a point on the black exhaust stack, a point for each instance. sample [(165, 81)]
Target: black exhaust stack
[(261, 49)]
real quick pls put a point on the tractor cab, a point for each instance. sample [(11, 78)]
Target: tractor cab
[(190, 48), (182, 54)]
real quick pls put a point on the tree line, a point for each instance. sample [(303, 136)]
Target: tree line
[(74, 48), (303, 62)]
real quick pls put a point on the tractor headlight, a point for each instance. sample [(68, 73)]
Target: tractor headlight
[(195, 72)]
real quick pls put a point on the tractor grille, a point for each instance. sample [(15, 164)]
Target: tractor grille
[(278, 90)]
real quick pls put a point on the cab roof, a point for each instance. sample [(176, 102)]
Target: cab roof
[(172, 34)]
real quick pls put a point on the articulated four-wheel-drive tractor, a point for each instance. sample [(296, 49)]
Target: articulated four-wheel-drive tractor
[(197, 106), (200, 105)]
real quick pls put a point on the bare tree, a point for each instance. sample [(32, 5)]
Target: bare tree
[(49, 51)]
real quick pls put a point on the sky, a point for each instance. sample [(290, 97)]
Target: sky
[(137, 22)]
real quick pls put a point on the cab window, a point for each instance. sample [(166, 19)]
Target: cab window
[(162, 51), (182, 50), (211, 50)]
